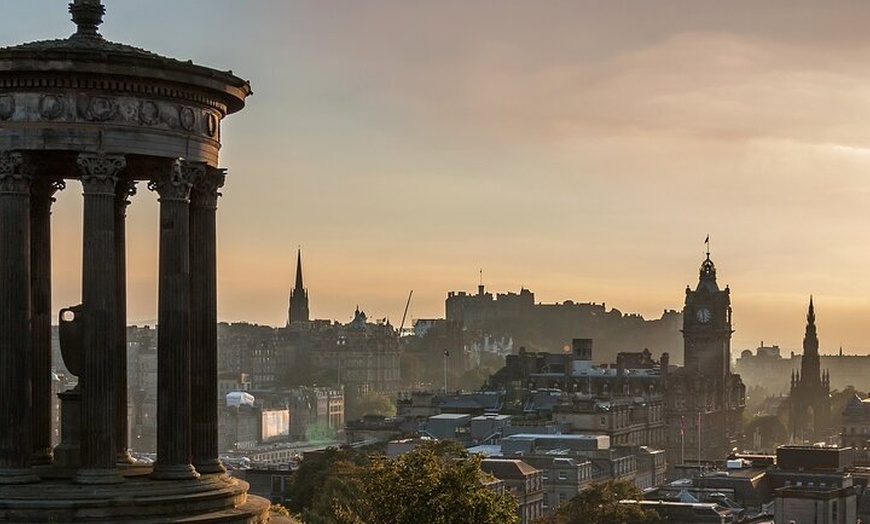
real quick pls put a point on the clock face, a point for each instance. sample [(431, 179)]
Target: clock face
[(703, 315)]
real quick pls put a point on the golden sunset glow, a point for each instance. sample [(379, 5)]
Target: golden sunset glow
[(582, 150)]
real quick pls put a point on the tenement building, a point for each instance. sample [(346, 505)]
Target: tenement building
[(107, 116), (704, 399)]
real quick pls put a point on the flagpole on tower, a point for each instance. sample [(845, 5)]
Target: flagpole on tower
[(683, 440), (707, 243), (446, 357)]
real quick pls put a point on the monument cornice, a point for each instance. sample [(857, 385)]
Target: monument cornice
[(120, 82), (174, 78)]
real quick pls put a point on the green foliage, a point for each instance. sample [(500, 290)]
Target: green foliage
[(313, 473), (770, 431), (435, 484), (755, 397), (600, 505), (278, 509), (377, 404), (319, 432)]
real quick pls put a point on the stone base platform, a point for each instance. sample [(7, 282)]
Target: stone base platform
[(140, 500)]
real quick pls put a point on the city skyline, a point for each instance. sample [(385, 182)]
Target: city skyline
[(580, 150)]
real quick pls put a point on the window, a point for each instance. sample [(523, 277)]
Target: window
[(563, 475)]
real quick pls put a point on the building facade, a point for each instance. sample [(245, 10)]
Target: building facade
[(522, 481)]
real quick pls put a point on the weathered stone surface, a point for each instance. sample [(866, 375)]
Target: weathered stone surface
[(109, 114)]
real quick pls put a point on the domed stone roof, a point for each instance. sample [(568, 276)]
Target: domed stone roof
[(87, 94), (86, 51)]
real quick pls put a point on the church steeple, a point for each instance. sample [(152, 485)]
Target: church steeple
[(299, 286), (298, 311)]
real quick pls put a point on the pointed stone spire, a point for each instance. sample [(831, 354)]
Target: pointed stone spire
[(810, 367), (299, 286), (298, 311)]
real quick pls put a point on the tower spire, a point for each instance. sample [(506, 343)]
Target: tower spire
[(810, 366), (298, 286), (298, 311)]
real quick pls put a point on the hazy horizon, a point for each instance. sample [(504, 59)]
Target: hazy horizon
[(582, 150)]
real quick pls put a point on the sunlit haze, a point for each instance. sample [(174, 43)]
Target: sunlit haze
[(581, 149)]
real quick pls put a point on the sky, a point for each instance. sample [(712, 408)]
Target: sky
[(581, 149)]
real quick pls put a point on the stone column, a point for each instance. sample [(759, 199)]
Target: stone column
[(41, 198), (203, 319), (173, 183), (15, 447), (99, 377), (124, 189)]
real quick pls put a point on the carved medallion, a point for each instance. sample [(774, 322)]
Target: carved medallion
[(186, 118), (101, 108), (149, 113), (211, 124), (7, 107), (50, 106)]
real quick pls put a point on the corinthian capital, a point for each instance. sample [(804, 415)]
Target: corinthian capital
[(173, 182), (99, 172), (46, 187), (206, 187), (13, 175)]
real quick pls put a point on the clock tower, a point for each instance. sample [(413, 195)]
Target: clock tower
[(707, 326), (704, 399)]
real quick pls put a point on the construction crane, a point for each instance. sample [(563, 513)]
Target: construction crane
[(405, 314)]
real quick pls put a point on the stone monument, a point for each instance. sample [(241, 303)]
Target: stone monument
[(110, 115)]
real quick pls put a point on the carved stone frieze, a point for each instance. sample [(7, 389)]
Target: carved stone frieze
[(99, 172), (206, 186), (173, 182), (13, 174), (7, 107), (51, 106), (101, 108), (186, 117), (211, 124), (149, 112), (121, 110)]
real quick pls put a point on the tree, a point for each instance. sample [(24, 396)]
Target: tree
[(435, 484), (372, 403), (600, 505), (313, 474), (770, 433)]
